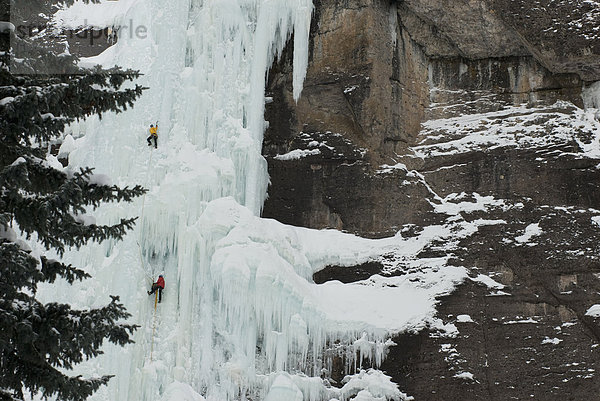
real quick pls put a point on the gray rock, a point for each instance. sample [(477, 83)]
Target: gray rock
[(408, 102)]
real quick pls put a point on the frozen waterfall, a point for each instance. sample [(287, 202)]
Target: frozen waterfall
[(241, 317)]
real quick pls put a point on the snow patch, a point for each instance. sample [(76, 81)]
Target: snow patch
[(593, 311), (522, 321), (298, 154), (450, 206), (487, 281), (514, 126), (465, 376), (18, 161), (6, 100), (67, 146), (532, 230), (52, 161), (498, 294), (108, 13), (464, 319), (386, 168), (548, 340)]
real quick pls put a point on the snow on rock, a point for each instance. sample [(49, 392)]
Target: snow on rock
[(451, 205), (596, 220), (350, 89), (593, 311), (439, 329), (298, 154), (6, 100), (532, 230), (53, 162), (465, 376), (548, 340), (514, 126), (67, 146), (386, 168), (464, 319), (487, 281), (498, 294), (103, 59), (522, 321), (108, 13), (18, 160)]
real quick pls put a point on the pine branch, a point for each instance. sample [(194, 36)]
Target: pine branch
[(51, 213), (19, 270), (61, 100), (51, 269)]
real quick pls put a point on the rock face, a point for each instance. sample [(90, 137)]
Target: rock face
[(377, 71), (414, 108), (562, 35)]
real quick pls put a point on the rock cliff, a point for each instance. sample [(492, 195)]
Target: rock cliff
[(418, 111)]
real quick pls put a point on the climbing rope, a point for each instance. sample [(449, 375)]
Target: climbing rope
[(151, 275), (153, 324)]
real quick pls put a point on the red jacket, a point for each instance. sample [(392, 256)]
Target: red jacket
[(161, 282)]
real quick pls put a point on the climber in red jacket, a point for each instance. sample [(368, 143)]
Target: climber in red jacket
[(160, 286)]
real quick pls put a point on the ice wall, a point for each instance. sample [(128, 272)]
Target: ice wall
[(241, 317)]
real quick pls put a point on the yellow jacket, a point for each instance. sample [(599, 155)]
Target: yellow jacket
[(153, 131)]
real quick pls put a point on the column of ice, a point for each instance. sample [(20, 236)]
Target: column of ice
[(205, 63), (230, 46)]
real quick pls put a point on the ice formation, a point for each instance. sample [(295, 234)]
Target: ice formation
[(241, 317)]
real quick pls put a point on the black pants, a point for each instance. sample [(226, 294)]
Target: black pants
[(160, 290), (149, 139)]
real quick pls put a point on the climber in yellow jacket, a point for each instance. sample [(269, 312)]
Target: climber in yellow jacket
[(153, 135)]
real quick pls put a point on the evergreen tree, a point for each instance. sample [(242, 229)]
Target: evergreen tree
[(40, 342)]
